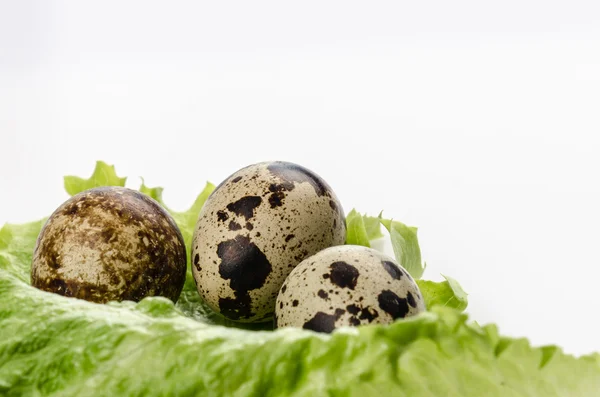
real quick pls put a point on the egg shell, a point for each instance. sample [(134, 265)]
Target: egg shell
[(346, 286), (110, 244), (254, 229)]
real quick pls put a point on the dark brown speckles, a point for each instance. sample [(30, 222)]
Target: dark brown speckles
[(222, 216), (247, 268), (353, 309), (245, 206), (94, 222), (295, 302), (333, 205), (80, 290), (236, 179), (243, 263), (343, 274), (323, 294), (197, 262), (300, 256), (233, 226), (411, 299), (278, 193), (392, 304), (290, 173), (108, 234), (323, 322), (289, 237), (369, 314), (285, 186), (249, 226), (236, 308), (59, 286), (52, 258), (392, 269), (71, 209), (276, 199)]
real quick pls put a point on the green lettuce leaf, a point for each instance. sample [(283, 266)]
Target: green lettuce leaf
[(52, 345), (447, 293), (104, 175), (356, 231), (406, 246), (362, 228), (185, 220), (16, 247), (373, 226)]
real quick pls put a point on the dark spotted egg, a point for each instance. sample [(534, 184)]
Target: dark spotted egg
[(346, 286), (254, 229), (110, 244)]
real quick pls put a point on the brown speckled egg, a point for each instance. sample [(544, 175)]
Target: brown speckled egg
[(110, 244), (254, 229), (346, 286)]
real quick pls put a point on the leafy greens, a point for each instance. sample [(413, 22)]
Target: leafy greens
[(52, 345)]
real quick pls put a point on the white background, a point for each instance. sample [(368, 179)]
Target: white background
[(476, 121)]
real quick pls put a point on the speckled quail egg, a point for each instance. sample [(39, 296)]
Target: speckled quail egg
[(254, 229), (346, 286), (110, 243)]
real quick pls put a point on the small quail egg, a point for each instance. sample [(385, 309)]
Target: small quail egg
[(110, 243), (254, 229), (346, 286)]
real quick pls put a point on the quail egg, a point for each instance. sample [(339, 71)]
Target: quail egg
[(346, 286), (254, 229), (110, 243)]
